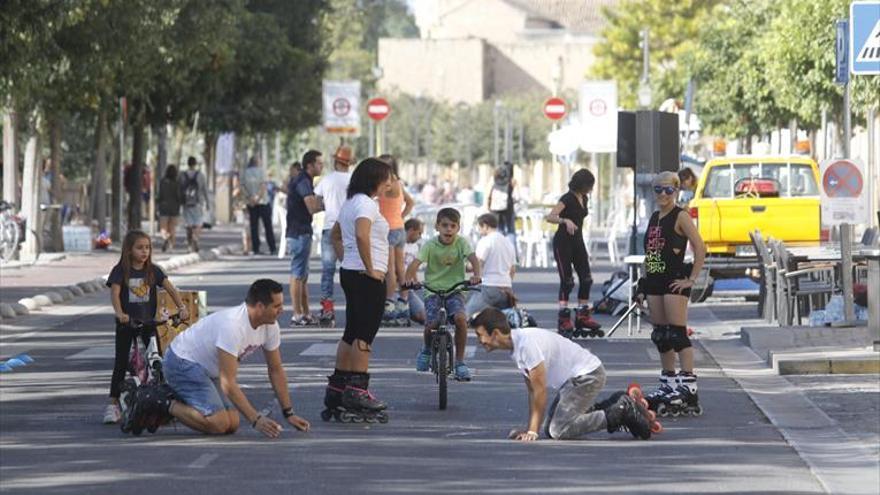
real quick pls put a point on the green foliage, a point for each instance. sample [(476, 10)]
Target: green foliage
[(673, 29)]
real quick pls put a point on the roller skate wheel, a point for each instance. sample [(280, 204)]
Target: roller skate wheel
[(326, 414), (383, 418), (662, 411), (634, 390), (698, 411), (153, 428), (643, 402), (675, 413), (656, 427), (652, 415)]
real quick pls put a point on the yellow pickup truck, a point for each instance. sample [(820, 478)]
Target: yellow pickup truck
[(777, 195)]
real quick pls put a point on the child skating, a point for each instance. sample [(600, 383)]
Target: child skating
[(548, 360)]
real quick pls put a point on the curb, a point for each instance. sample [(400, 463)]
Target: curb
[(60, 295)]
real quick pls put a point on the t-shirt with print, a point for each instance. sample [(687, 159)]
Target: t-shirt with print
[(496, 256), (363, 206), (229, 330), (138, 299), (334, 189), (444, 264), (562, 358), (299, 219), (410, 251)]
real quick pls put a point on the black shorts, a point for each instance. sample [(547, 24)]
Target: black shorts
[(364, 305), (658, 285)]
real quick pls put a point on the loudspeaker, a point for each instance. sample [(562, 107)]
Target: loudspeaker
[(626, 139), (657, 148)]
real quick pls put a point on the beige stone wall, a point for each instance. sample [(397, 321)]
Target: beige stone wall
[(523, 66), (495, 21), (450, 70)]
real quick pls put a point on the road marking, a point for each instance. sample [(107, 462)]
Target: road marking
[(320, 350), (97, 352), (203, 461), (653, 354), (469, 351)]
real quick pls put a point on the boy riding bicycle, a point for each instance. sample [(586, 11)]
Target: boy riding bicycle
[(444, 257)]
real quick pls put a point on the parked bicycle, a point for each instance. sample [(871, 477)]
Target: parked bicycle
[(442, 353), (11, 229)]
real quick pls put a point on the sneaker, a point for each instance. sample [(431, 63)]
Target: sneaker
[(423, 360), (112, 414), (462, 372)]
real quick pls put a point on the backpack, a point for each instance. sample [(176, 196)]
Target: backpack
[(499, 199), (191, 189)]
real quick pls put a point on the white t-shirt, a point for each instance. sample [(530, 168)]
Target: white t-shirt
[(363, 206), (496, 256), (229, 330), (562, 358), (410, 251), (334, 189)]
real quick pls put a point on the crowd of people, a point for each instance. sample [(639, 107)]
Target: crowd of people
[(378, 252)]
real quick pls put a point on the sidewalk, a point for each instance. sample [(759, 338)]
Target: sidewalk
[(56, 272), (833, 421)]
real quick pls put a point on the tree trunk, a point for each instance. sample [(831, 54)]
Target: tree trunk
[(10, 158), (57, 192), (161, 153), (210, 158), (135, 174), (99, 178), (30, 197)]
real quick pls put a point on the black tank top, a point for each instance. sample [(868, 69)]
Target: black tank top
[(664, 247), (573, 211)]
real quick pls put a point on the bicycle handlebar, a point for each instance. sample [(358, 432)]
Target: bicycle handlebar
[(464, 285), (135, 323)]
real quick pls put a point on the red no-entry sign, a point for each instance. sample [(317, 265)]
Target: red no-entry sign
[(378, 108), (555, 108)]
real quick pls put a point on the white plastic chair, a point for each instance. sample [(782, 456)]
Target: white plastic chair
[(534, 240)]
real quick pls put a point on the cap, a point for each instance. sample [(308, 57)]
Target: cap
[(343, 155)]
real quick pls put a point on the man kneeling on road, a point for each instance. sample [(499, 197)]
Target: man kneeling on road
[(201, 367)]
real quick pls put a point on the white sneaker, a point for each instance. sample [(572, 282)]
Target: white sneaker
[(112, 414)]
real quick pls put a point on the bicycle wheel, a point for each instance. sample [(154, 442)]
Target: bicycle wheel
[(442, 367)]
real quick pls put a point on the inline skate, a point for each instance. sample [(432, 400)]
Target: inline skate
[(685, 401), (327, 317), (402, 313), (564, 326), (628, 414), (352, 403), (585, 325)]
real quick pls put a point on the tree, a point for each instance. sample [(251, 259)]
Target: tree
[(673, 30)]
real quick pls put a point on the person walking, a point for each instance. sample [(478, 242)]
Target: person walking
[(569, 251), (360, 237), (332, 190), (302, 204), (254, 185), (667, 286), (501, 201), (395, 205), (170, 200), (195, 199)]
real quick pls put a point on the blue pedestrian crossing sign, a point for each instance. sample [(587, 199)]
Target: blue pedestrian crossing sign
[(864, 37)]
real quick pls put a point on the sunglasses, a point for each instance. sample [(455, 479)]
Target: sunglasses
[(669, 190)]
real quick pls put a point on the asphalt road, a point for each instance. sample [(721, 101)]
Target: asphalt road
[(52, 439)]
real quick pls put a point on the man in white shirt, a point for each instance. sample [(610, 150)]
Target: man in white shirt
[(498, 259), (332, 190), (201, 367), (547, 359)]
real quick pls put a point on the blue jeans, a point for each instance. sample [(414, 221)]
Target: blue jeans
[(300, 249), (328, 265), (191, 383), (454, 307)]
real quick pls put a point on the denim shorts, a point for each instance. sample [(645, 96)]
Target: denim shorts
[(300, 249), (454, 306), (396, 238), (193, 386)]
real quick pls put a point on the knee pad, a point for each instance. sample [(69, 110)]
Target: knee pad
[(568, 285), (660, 338), (678, 338)]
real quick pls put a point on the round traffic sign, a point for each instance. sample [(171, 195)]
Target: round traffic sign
[(341, 107), (598, 107), (378, 108), (555, 108), (842, 179)]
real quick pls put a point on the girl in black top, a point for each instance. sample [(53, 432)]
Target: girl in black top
[(667, 285), (133, 284), (569, 251)]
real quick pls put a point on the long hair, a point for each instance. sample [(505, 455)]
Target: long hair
[(367, 177), (125, 257), (171, 172)]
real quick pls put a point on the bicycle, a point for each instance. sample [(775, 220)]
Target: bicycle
[(442, 353), (10, 231), (143, 373)]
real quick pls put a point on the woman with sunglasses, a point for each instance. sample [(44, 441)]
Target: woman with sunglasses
[(667, 285), (569, 251)]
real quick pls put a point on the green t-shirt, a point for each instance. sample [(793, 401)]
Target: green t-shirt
[(444, 263)]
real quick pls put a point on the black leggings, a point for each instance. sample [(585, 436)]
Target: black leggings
[(264, 213), (124, 337), (568, 251), (364, 305)]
